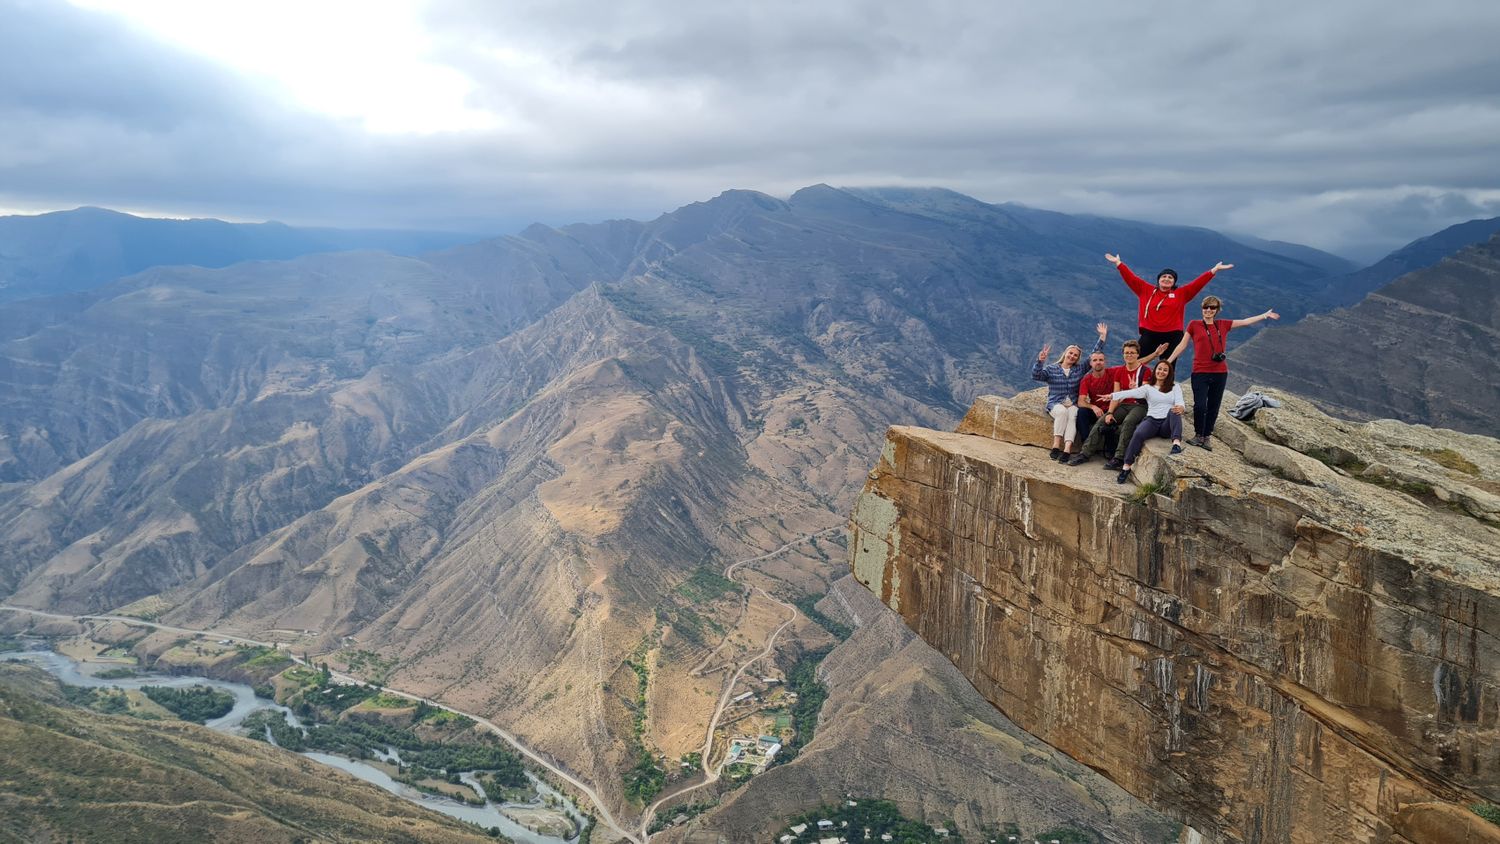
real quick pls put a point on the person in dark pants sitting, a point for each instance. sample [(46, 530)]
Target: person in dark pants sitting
[(1210, 364), (1093, 408), (1164, 408)]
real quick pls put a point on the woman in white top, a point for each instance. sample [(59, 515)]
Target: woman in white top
[(1164, 409)]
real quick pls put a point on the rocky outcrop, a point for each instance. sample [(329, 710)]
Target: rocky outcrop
[(1292, 638)]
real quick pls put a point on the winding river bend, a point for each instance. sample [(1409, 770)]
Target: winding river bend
[(489, 815)]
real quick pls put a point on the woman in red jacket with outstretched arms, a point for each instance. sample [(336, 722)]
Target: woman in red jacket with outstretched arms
[(1159, 313)]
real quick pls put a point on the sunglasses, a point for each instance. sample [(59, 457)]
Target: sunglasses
[(1210, 307)]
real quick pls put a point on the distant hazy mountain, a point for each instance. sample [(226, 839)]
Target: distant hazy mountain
[(66, 251), (497, 465), (1420, 349), (1333, 265), (1423, 252)]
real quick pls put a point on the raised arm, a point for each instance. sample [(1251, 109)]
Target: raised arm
[(1202, 281), (1269, 314), (1103, 331), (1181, 347), (1137, 393), (1039, 371), (1137, 284), (1156, 353)]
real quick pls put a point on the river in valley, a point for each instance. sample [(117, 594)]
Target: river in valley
[(75, 673)]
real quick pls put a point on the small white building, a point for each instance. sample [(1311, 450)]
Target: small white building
[(850, 803), (825, 825), (787, 839), (942, 832), (799, 829), (743, 697)]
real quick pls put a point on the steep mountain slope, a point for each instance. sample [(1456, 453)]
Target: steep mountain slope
[(71, 774), (1420, 349), (891, 695), (70, 251), (495, 466), (1419, 254)]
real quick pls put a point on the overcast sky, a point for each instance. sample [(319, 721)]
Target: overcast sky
[(1350, 125)]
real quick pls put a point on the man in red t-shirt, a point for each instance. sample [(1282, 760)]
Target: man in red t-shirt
[(1093, 397), (1210, 364)]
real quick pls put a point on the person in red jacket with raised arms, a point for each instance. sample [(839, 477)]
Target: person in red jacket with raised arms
[(1159, 312)]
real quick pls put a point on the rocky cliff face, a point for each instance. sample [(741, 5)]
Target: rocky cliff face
[(1290, 639)]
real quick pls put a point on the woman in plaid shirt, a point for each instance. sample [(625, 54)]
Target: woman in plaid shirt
[(1062, 380)]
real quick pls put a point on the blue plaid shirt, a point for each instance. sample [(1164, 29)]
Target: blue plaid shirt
[(1063, 385)]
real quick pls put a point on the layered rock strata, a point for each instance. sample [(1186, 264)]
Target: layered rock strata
[(1292, 638)]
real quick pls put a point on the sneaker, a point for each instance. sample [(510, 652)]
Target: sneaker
[(1113, 463), (1078, 460), (1199, 442), (1176, 448), (1207, 446), (1056, 454), (1123, 476)]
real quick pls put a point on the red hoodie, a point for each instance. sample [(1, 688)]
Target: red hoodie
[(1160, 311)]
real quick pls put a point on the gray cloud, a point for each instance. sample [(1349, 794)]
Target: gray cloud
[(1335, 124)]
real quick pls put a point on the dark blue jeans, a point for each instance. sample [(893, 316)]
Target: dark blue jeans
[(1208, 395), (1152, 427)]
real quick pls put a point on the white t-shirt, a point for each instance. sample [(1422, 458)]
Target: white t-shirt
[(1158, 404)]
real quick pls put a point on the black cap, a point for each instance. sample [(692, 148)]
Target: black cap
[(1168, 271)]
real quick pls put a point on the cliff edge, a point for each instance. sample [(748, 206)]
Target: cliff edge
[(1292, 638)]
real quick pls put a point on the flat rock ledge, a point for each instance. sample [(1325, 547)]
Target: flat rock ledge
[(1292, 638)]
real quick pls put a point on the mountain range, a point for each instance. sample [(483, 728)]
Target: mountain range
[(497, 464), (67, 251)]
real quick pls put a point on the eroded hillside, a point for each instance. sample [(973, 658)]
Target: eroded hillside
[(493, 467)]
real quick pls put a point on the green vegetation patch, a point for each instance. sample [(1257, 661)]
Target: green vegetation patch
[(808, 605), (198, 704), (386, 700), (374, 666), (1450, 459), (1144, 492), (421, 758), (268, 658), (116, 674), (881, 817), (707, 584), (802, 679), (646, 778), (110, 701), (1488, 811), (438, 717)]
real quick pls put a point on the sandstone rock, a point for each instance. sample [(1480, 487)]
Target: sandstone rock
[(1289, 656), (1018, 419), (1289, 464)]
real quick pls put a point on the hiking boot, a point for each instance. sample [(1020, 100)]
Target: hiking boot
[(1198, 441), (1206, 445), (1078, 460), (1123, 476), (1113, 463), (1056, 454)]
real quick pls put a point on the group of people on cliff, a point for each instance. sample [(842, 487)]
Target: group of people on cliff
[(1114, 410)]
